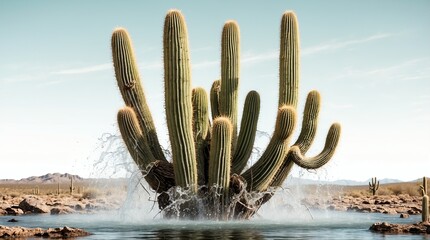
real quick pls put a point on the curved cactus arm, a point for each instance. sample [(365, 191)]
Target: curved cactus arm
[(305, 139), (220, 157), (322, 158), (289, 60), (259, 176), (133, 138), (177, 95), (248, 130), (200, 131), (214, 98), (230, 74), (129, 84)]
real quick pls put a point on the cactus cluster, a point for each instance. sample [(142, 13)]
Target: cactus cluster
[(210, 153), (373, 186), (425, 204)]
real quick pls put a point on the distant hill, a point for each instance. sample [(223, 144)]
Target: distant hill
[(343, 182), (65, 178), (47, 178)]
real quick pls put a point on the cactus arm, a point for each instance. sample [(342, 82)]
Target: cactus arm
[(200, 113), (322, 158), (220, 156), (305, 139), (230, 50), (177, 90), (214, 98), (200, 130), (128, 80), (259, 176), (248, 130), (310, 122), (289, 60), (134, 140)]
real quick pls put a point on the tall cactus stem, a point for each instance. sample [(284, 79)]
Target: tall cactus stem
[(129, 84), (289, 60), (220, 157), (230, 74), (177, 94), (248, 130)]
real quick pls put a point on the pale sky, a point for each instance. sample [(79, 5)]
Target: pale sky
[(370, 60)]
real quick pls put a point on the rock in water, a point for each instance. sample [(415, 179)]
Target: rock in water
[(392, 228)]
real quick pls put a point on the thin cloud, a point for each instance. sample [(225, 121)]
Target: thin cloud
[(413, 69), (333, 45), (83, 70)]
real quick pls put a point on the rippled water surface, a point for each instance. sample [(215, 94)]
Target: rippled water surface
[(270, 225)]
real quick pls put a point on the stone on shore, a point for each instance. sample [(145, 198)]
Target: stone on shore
[(22, 232)]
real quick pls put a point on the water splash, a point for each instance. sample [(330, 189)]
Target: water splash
[(141, 201)]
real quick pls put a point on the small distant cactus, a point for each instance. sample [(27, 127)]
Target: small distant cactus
[(425, 203), (36, 190), (72, 187), (373, 186)]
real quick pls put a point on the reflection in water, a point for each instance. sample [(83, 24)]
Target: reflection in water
[(207, 234)]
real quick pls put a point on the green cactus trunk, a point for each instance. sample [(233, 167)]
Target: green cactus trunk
[(177, 92), (289, 59), (219, 162), (230, 74)]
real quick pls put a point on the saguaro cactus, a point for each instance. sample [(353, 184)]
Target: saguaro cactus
[(373, 186), (208, 159), (425, 204)]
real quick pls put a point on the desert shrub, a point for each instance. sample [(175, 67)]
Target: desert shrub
[(384, 191), (411, 189), (15, 194), (91, 194)]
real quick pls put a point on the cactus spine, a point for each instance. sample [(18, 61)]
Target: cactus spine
[(373, 186), (425, 202), (177, 92)]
